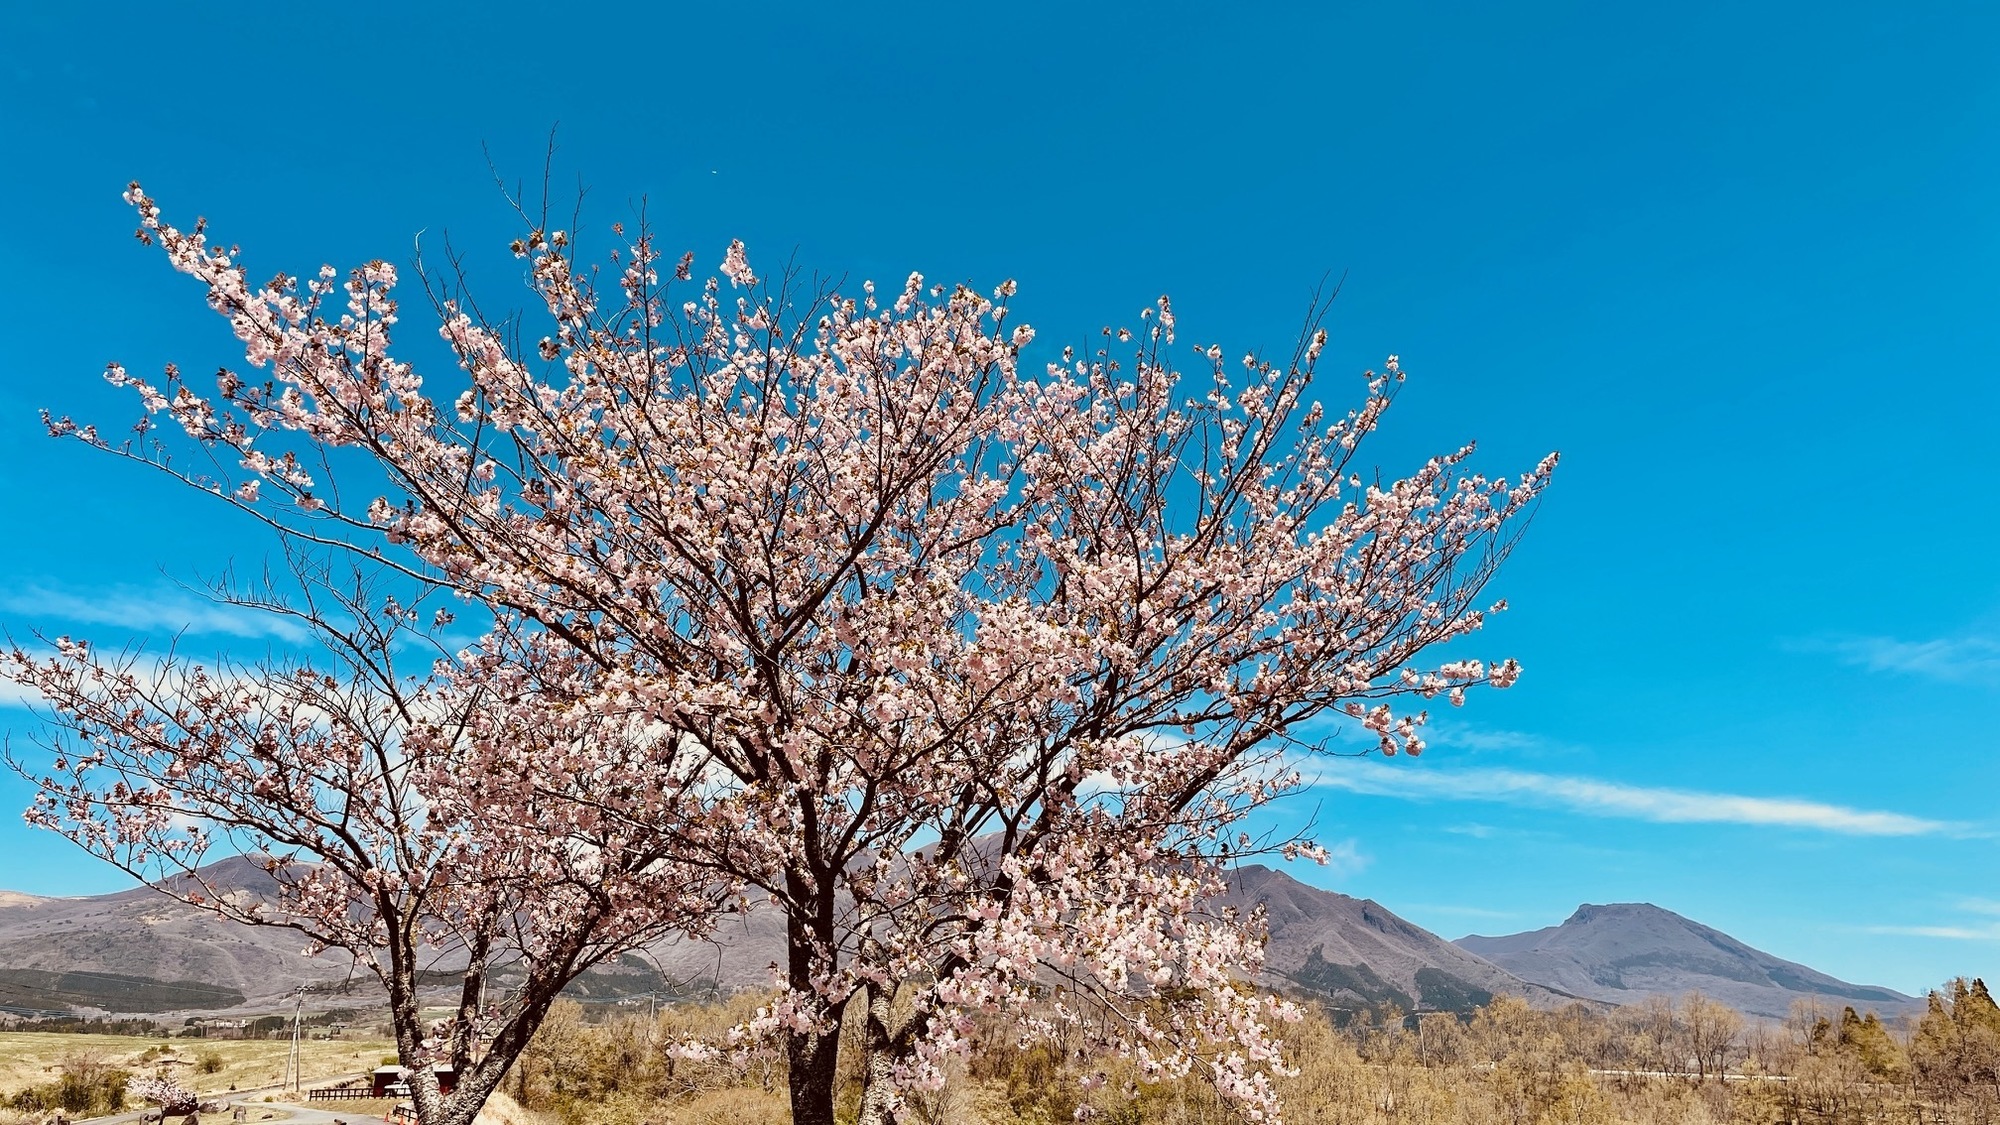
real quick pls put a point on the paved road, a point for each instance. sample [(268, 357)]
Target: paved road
[(306, 1115), (293, 1115)]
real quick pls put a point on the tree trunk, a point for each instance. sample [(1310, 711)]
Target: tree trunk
[(881, 1050), (812, 1073), (812, 1057)]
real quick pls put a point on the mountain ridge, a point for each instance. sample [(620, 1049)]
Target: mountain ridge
[(1354, 952), (131, 951), (1622, 953), (134, 951)]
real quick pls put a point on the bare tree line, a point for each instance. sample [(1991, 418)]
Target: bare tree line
[(1686, 1060)]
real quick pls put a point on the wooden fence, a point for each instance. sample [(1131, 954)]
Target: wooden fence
[(342, 1092)]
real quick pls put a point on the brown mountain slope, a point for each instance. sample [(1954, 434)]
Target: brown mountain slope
[(137, 951), (1348, 953), (1353, 953), (1626, 952)]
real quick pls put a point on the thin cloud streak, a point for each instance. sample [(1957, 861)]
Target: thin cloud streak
[(1959, 660), (145, 612), (1615, 799), (1952, 933), (1465, 737)]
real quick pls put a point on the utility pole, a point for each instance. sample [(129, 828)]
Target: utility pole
[(295, 1062), (479, 1023)]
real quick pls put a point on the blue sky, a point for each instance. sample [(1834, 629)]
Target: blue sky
[(1737, 262)]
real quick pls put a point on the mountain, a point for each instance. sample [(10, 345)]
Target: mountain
[(1626, 952), (1346, 952), (139, 952), (1353, 953)]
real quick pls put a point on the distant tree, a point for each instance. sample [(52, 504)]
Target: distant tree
[(403, 817), (172, 1097), (1871, 1043), (1811, 1030), (1535, 1075), (1711, 1030), (1439, 1039), (1654, 1032), (983, 668), (1955, 1051), (1587, 1033)]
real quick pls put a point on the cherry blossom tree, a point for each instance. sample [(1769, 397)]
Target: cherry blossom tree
[(174, 1098), (984, 663), (426, 823)]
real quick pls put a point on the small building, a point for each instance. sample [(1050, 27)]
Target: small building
[(224, 1029)]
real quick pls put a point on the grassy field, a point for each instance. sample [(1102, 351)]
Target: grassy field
[(32, 1058)]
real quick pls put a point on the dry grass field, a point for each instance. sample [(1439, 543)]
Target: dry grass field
[(34, 1058), (209, 1066)]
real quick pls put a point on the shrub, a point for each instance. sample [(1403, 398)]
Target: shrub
[(86, 1087)]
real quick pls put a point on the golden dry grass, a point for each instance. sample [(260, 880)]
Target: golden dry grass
[(31, 1058), (503, 1110)]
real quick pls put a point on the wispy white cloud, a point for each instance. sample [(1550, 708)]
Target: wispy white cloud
[(1989, 932), (1984, 927), (14, 695), (1459, 736), (1952, 659), (1474, 830), (142, 611), (1347, 858), (1616, 799)]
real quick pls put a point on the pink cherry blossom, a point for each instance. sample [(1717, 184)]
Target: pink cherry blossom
[(971, 667)]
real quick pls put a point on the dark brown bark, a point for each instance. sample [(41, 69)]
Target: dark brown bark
[(812, 1057), (812, 1076)]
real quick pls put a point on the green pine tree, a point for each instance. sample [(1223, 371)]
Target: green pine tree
[(1869, 1042)]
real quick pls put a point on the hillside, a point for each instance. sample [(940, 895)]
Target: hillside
[(1626, 952), (138, 952), (1354, 953), (1348, 952)]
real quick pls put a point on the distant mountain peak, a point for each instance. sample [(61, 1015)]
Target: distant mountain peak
[(1347, 952), (1625, 952), (1355, 953), (137, 951), (1589, 912)]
